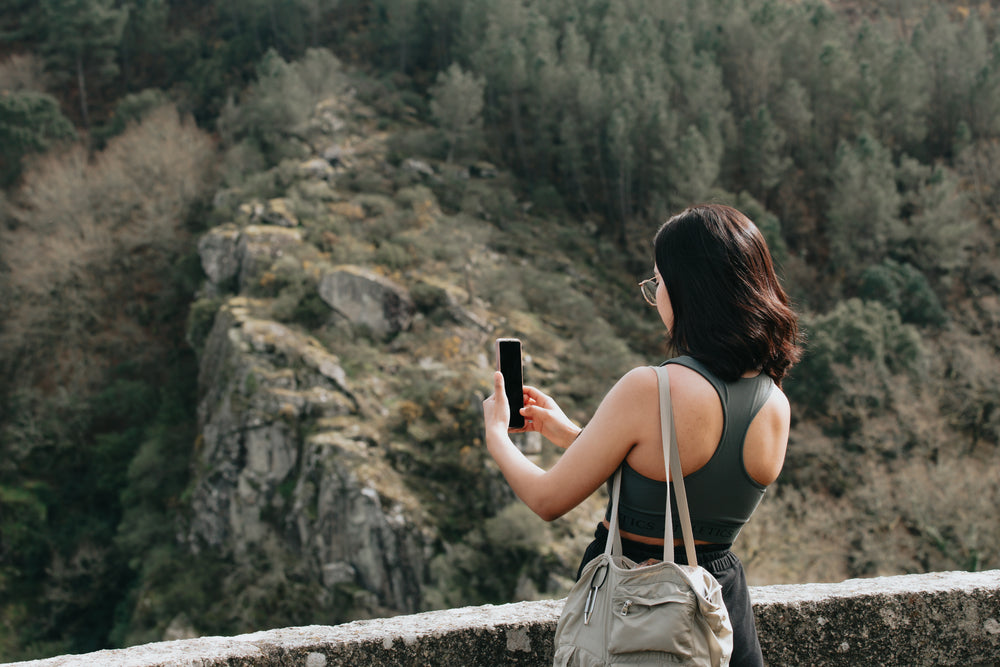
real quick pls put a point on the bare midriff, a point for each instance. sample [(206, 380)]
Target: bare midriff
[(679, 541)]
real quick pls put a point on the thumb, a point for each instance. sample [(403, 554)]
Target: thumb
[(498, 385)]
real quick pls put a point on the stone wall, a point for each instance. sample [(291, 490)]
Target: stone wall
[(949, 618)]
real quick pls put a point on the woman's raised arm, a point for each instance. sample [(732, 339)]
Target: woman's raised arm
[(595, 454)]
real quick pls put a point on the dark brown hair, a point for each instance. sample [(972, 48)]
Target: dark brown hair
[(730, 311)]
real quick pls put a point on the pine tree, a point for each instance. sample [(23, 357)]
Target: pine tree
[(957, 57), (864, 206), (399, 18), (457, 104), (502, 60), (763, 156), (81, 42), (935, 235), (144, 39), (892, 93), (29, 123), (20, 20)]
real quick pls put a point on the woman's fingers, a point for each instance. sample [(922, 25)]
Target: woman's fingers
[(495, 407), (532, 395), (541, 413), (538, 416)]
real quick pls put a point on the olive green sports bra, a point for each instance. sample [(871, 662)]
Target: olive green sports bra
[(721, 494)]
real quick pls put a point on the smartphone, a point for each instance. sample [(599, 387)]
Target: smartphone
[(508, 355)]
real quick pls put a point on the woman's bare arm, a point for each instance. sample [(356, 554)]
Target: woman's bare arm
[(594, 455)]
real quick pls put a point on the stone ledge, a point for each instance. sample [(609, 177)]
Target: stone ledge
[(941, 618), (944, 618)]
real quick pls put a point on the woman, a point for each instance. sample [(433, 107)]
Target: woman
[(725, 312)]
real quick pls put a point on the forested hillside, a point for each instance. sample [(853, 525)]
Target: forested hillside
[(506, 163)]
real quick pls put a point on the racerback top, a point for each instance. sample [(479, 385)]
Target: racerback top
[(721, 494)]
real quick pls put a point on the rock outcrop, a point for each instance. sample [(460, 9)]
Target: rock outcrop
[(367, 299), (291, 470), (229, 252), (344, 338), (287, 467)]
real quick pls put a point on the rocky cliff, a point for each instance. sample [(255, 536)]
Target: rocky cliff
[(345, 332), (290, 466)]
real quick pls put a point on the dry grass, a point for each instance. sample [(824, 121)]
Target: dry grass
[(927, 516), (22, 72), (795, 537)]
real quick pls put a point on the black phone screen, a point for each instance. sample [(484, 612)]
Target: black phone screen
[(509, 362)]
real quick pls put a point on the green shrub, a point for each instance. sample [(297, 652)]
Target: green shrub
[(854, 331), (553, 296), (366, 181), (449, 240), (490, 201), (422, 143), (970, 393), (416, 196), (395, 256), (501, 287), (903, 288), (277, 107), (310, 311), (29, 123), (201, 319), (244, 164), (429, 299), (489, 561), (130, 109), (547, 201)]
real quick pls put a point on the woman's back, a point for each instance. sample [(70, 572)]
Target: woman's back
[(720, 491)]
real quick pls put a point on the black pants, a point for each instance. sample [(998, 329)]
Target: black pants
[(727, 570)]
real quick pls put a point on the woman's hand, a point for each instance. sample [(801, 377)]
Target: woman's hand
[(496, 408), (542, 414)]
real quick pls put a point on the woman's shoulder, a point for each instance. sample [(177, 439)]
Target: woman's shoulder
[(684, 381), (639, 380), (777, 403)]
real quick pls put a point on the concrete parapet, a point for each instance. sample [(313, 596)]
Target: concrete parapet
[(948, 618)]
